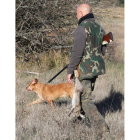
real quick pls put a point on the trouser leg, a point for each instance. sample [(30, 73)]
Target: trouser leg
[(88, 106)]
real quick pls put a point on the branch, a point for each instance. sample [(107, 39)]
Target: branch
[(29, 72), (19, 5)]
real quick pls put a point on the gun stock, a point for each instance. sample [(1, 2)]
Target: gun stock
[(107, 38)]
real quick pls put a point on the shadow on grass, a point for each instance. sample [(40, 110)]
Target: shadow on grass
[(61, 103), (112, 103)]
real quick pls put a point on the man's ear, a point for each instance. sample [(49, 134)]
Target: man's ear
[(81, 14), (34, 81)]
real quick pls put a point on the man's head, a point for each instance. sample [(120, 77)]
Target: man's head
[(83, 10)]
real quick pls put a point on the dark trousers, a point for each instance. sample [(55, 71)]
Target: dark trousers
[(89, 108)]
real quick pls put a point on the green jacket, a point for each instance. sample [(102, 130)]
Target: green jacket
[(87, 48), (92, 62)]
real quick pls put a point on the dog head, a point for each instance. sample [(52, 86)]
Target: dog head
[(31, 85)]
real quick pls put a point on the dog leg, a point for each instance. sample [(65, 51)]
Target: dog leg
[(51, 103), (35, 102)]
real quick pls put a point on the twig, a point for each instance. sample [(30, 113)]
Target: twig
[(19, 5), (29, 72)]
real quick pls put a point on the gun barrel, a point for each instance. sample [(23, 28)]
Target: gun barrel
[(58, 74)]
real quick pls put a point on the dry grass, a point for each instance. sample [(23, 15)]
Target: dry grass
[(40, 122)]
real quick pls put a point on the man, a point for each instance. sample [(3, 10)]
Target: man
[(87, 52)]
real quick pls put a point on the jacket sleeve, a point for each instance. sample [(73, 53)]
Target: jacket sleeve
[(77, 49)]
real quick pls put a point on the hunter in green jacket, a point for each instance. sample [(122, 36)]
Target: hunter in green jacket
[(88, 51)]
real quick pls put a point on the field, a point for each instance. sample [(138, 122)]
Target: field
[(41, 122)]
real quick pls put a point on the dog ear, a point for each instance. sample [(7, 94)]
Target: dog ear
[(34, 81)]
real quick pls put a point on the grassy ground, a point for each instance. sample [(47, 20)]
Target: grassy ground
[(41, 122)]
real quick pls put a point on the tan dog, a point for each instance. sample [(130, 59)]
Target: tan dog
[(49, 92)]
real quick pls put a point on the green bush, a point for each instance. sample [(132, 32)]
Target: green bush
[(120, 2)]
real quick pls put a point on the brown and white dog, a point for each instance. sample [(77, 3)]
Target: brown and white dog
[(50, 92)]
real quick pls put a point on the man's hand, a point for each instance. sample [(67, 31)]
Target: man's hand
[(69, 79)]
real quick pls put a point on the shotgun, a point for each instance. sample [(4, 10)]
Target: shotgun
[(106, 40)]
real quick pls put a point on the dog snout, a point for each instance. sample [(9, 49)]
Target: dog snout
[(28, 88)]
